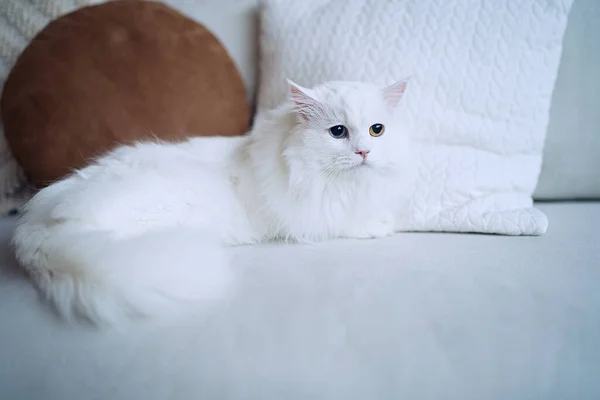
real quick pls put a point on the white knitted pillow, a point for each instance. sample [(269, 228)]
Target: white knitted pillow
[(478, 102)]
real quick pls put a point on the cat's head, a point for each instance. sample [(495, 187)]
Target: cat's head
[(346, 127)]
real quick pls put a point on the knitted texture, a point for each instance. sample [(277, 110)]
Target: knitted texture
[(20, 21)]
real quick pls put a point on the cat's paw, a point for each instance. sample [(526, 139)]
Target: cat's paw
[(375, 228)]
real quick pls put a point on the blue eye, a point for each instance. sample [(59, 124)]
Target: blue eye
[(338, 131)]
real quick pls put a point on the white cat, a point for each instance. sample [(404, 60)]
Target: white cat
[(144, 224)]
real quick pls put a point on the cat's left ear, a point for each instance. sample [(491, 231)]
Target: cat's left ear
[(305, 103), (393, 93)]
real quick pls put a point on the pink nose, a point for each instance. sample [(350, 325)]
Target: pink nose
[(362, 153)]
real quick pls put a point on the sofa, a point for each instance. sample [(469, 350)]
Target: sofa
[(413, 316)]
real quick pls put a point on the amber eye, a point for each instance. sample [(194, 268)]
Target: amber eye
[(338, 131), (376, 130)]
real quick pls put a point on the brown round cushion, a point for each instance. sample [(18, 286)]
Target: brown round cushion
[(112, 74)]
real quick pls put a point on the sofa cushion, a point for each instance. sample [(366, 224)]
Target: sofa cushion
[(414, 316), (571, 166)]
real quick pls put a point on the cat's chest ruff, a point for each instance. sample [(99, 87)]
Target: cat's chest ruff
[(326, 211)]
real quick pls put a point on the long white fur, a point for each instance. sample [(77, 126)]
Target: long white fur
[(142, 228)]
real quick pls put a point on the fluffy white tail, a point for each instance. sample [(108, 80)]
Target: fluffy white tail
[(92, 275)]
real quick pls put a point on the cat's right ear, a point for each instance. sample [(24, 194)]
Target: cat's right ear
[(394, 93), (305, 104)]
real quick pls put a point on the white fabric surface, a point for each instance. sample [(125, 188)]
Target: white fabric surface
[(416, 316), (478, 103), (571, 166)]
